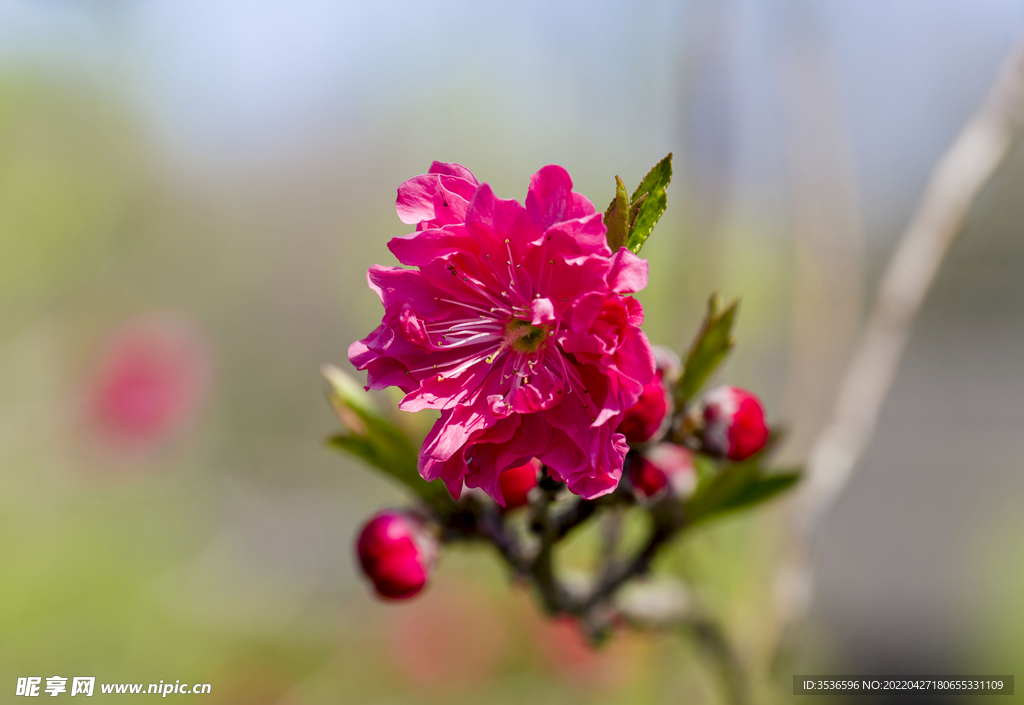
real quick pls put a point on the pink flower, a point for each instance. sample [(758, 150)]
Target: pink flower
[(516, 327), (734, 421), (396, 553)]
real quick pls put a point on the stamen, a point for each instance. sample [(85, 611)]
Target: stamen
[(442, 365), (462, 303), (465, 341), (476, 324)]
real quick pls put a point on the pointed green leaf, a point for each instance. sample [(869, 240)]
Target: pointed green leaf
[(616, 218), (709, 348), (648, 203), (370, 435)]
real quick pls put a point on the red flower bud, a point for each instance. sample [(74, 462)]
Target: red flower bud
[(735, 424), (642, 420), (516, 483), (396, 553), (666, 466)]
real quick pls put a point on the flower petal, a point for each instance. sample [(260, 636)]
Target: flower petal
[(426, 197), (453, 169), (495, 220), (395, 285), (423, 247), (541, 311), (585, 236), (628, 273), (550, 198)]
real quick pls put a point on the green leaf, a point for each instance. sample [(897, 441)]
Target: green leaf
[(735, 487), (616, 218), (649, 213), (712, 344), (648, 203), (370, 435)]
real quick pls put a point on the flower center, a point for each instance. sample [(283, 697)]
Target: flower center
[(523, 336)]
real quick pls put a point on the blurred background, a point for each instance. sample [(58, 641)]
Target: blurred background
[(191, 192)]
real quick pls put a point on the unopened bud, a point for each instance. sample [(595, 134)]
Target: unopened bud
[(734, 423), (516, 483), (396, 553), (664, 468)]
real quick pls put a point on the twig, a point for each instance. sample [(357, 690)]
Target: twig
[(618, 576), (954, 186)]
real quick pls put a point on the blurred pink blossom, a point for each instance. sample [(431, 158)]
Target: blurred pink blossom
[(149, 381), (450, 637), (563, 650)]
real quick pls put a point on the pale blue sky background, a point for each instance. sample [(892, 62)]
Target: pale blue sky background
[(234, 81)]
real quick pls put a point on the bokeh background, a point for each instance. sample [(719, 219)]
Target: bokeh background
[(191, 192)]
